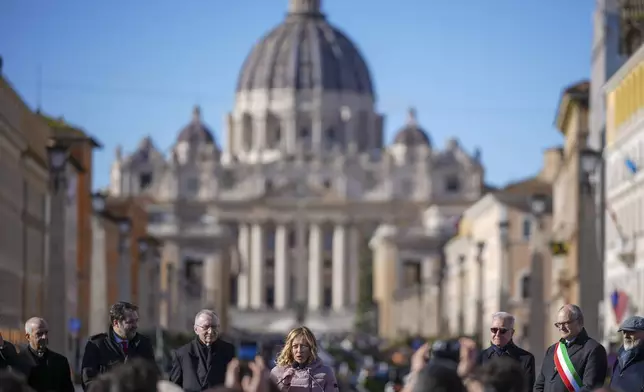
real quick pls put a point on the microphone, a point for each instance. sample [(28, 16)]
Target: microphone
[(288, 374)]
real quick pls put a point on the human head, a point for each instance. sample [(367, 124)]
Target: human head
[(207, 326), (438, 378), (633, 331), (124, 319), (502, 328), (13, 382), (503, 375), (570, 321), (37, 334), (137, 375), (300, 346)]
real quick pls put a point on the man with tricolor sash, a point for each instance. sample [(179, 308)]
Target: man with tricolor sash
[(576, 362)]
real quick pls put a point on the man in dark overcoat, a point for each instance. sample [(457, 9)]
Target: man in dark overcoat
[(502, 346), (44, 369), (576, 362), (628, 370), (120, 343), (201, 364)]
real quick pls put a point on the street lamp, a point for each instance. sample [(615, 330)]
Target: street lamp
[(538, 204), (98, 202), (480, 248), (57, 158), (535, 299), (589, 161), (143, 246)]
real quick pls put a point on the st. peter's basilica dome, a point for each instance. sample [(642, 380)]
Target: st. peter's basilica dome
[(305, 52)]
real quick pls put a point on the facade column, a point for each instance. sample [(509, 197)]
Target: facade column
[(354, 265), (282, 271), (243, 299), (211, 284), (316, 263), (257, 261), (339, 268)]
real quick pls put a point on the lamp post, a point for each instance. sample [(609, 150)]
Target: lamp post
[(124, 272), (591, 237), (480, 248), (538, 207), (461, 294), (504, 233), (148, 254)]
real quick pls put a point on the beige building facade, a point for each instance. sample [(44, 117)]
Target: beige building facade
[(24, 193)]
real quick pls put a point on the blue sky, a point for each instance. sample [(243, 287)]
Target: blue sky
[(487, 72)]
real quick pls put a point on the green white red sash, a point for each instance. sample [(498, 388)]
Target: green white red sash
[(566, 371)]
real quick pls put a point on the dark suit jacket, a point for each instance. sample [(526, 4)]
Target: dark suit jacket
[(525, 359), (8, 356), (589, 359), (53, 374), (185, 366), (102, 353)]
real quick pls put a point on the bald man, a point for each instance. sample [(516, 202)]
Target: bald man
[(576, 362), (46, 370)]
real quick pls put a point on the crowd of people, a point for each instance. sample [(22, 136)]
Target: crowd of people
[(122, 360)]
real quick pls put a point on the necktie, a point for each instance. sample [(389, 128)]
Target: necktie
[(124, 346)]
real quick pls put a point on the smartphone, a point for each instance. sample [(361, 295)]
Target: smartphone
[(246, 352)]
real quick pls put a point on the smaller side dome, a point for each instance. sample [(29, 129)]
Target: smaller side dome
[(412, 134), (196, 131), (144, 150)]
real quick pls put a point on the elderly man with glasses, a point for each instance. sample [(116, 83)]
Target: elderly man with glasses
[(502, 345), (628, 371), (576, 362), (201, 364)]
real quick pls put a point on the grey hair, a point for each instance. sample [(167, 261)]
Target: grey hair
[(206, 312), (30, 323), (575, 312), (505, 316)]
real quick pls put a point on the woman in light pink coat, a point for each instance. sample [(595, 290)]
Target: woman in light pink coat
[(298, 367)]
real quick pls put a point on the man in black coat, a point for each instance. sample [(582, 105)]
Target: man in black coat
[(628, 371), (45, 370), (575, 363), (8, 355), (121, 342), (502, 346), (201, 364)]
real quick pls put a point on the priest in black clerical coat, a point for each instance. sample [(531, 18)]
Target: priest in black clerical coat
[(201, 364)]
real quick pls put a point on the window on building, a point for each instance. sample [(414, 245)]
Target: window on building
[(452, 184), (527, 228), (412, 272), (232, 297), (269, 185), (291, 239), (192, 185), (328, 240), (328, 297), (270, 241), (304, 133), (145, 180), (192, 274), (270, 296), (525, 286)]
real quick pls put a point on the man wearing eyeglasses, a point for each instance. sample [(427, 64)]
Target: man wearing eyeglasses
[(201, 364), (628, 371), (502, 345), (576, 362)]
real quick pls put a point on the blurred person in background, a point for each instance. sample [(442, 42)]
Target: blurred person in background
[(502, 346), (44, 369), (13, 382), (576, 362), (201, 364), (298, 366), (8, 355), (628, 371), (504, 374), (119, 344), (137, 375)]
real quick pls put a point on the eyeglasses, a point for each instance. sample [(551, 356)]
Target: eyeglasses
[(566, 323), (213, 328), (501, 331)]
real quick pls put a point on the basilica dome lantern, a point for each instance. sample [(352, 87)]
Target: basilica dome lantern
[(195, 140), (410, 139), (292, 89)]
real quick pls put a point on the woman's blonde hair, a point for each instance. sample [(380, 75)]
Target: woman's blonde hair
[(286, 355)]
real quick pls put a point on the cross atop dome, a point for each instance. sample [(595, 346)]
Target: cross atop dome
[(411, 116), (304, 6)]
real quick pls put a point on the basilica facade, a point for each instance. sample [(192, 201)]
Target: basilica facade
[(276, 219)]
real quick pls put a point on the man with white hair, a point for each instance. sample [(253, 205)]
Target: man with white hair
[(45, 370), (628, 371), (201, 364), (502, 346)]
